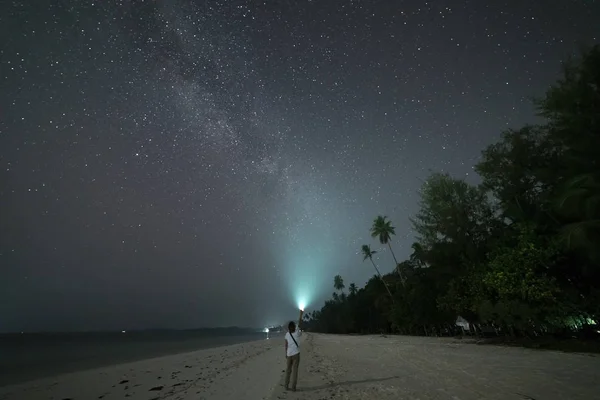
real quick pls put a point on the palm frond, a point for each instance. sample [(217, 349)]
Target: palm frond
[(382, 229), (580, 197), (592, 206), (367, 252), (568, 195), (580, 234)]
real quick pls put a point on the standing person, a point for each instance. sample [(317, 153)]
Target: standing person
[(292, 353)]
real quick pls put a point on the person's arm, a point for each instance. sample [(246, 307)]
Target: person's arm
[(299, 322), (286, 344)]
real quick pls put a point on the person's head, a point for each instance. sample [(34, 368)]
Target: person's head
[(292, 327)]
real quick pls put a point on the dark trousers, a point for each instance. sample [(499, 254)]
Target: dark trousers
[(292, 370)]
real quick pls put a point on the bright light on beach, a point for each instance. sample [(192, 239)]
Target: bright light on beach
[(302, 304), (305, 282), (303, 299)]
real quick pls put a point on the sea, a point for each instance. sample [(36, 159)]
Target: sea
[(29, 356)]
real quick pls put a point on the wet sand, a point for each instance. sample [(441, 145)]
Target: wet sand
[(336, 367), (243, 371)]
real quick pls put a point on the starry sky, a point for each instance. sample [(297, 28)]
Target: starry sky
[(178, 164)]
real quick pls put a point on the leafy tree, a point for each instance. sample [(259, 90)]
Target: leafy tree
[(571, 109), (519, 274), (452, 212), (578, 205), (520, 172), (515, 255)]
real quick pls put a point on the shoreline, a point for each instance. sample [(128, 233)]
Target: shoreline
[(26, 370), (201, 374), (335, 367)]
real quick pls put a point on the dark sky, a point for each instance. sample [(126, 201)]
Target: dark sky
[(185, 163)]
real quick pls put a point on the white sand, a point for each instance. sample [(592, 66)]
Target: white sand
[(401, 367), (243, 371), (336, 367)]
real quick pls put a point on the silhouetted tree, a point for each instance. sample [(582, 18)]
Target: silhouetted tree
[(383, 230), (368, 254), (517, 253)]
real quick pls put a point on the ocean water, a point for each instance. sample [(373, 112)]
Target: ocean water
[(26, 357)]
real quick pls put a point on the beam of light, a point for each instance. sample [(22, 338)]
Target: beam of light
[(303, 282), (308, 249), (301, 303)]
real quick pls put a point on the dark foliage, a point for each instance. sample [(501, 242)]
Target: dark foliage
[(518, 255)]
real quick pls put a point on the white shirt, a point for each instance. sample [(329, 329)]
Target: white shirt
[(292, 349)]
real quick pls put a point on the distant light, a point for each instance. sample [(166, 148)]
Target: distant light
[(122, 331)]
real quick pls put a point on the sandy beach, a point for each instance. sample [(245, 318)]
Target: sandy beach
[(336, 367), (249, 370), (419, 368)]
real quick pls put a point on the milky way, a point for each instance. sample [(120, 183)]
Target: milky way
[(183, 164)]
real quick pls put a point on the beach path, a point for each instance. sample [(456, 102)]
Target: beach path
[(418, 368)]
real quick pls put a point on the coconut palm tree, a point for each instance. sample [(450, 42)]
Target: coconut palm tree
[(383, 230), (338, 283), (418, 255), (368, 253), (352, 289)]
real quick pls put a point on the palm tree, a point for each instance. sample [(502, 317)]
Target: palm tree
[(352, 289), (368, 253), (383, 230), (338, 283), (418, 255)]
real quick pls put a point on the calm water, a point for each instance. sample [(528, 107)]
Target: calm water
[(30, 356)]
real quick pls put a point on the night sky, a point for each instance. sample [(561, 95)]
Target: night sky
[(177, 164)]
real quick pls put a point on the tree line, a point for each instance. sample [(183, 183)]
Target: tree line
[(518, 254)]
